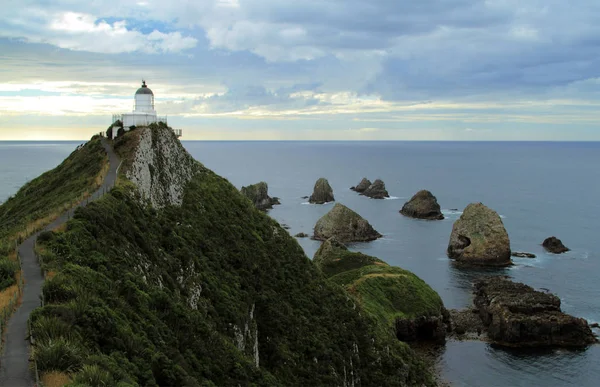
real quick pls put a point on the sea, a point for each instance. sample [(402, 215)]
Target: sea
[(540, 189)]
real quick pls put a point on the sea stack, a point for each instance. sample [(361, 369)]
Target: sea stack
[(423, 205), (376, 190), (362, 186), (554, 245), (479, 238), (345, 225), (322, 193), (519, 316), (259, 196)]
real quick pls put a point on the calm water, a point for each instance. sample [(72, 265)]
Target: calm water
[(540, 189)]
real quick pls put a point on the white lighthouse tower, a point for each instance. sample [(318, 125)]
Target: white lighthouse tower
[(143, 113)]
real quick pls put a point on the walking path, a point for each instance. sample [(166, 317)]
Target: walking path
[(15, 370)]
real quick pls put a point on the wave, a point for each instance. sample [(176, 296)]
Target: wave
[(452, 212), (395, 198)]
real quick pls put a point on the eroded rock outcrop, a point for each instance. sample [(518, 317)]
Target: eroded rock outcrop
[(554, 245), (479, 238), (362, 186), (259, 195), (322, 192), (394, 297), (161, 167), (517, 315), (423, 205), (376, 190), (345, 225)]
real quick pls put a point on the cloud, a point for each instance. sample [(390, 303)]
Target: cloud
[(86, 32)]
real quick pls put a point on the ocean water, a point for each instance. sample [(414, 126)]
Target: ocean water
[(539, 188)]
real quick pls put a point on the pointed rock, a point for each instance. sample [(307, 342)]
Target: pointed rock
[(376, 190), (479, 238), (259, 195), (423, 205), (362, 186), (345, 225), (322, 193)]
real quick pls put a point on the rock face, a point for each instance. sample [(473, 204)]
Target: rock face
[(362, 186), (522, 255), (554, 245), (376, 190), (161, 167), (517, 315), (423, 205), (345, 225), (479, 238), (394, 297), (322, 193), (259, 196)]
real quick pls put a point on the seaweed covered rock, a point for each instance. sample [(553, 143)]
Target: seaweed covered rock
[(362, 186), (479, 238), (322, 192), (259, 196), (376, 190), (423, 205), (517, 315), (396, 298), (345, 225), (554, 245)]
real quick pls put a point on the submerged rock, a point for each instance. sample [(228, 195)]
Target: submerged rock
[(301, 235), (345, 225), (554, 245), (394, 297), (423, 205), (362, 186), (258, 195), (322, 193), (517, 315), (376, 190), (519, 254), (479, 238)]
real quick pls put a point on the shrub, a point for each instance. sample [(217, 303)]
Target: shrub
[(58, 355), (45, 236), (93, 375), (46, 328), (7, 273)]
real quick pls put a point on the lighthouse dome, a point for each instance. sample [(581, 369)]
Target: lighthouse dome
[(144, 89)]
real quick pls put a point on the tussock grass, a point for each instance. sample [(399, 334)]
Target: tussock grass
[(93, 375), (58, 355)]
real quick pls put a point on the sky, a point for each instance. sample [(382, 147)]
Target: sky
[(305, 70)]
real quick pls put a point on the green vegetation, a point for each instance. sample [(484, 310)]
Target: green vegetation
[(189, 295), (385, 292), (41, 200)]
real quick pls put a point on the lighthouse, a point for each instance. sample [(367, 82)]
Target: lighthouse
[(143, 113)]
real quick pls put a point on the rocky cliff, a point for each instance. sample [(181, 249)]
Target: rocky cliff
[(208, 291), (160, 167)]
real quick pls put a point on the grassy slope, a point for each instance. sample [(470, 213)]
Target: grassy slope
[(41, 200), (385, 292), (140, 329)]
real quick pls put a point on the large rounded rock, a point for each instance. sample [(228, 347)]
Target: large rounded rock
[(322, 193), (423, 205), (362, 186), (259, 195), (395, 298), (345, 225), (376, 190), (554, 245), (479, 238)]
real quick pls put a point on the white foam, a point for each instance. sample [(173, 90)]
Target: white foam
[(395, 198), (452, 212)]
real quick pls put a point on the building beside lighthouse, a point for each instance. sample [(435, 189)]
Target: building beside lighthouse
[(143, 113)]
